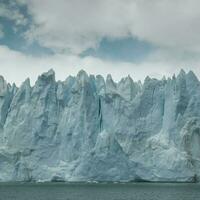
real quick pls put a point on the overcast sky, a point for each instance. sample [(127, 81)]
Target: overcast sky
[(121, 37)]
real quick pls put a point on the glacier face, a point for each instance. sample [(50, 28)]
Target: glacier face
[(90, 129)]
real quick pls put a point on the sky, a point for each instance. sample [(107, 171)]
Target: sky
[(118, 37)]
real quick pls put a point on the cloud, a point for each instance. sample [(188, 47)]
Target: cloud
[(70, 27), (172, 24), (10, 11), (1, 31), (16, 67), (21, 2), (74, 26)]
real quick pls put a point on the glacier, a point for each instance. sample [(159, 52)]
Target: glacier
[(88, 128)]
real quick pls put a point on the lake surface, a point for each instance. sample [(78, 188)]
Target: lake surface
[(100, 191)]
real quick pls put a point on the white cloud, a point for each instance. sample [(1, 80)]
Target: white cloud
[(73, 26), (76, 25), (16, 67), (79, 24)]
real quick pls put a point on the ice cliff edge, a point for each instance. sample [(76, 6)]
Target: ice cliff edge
[(87, 128)]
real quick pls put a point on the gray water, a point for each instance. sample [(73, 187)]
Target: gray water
[(101, 191)]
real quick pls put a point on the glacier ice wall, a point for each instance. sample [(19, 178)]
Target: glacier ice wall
[(90, 129)]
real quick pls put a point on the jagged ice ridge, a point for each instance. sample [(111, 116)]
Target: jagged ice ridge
[(90, 129)]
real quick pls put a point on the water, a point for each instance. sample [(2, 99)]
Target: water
[(102, 191)]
